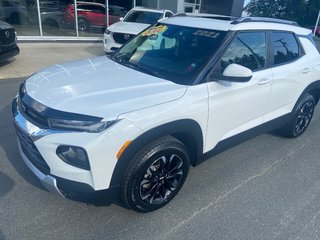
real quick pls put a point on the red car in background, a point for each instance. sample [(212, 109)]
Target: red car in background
[(93, 15), (318, 31)]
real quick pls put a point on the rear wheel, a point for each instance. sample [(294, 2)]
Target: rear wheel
[(155, 175), (302, 115), (83, 24), (51, 23)]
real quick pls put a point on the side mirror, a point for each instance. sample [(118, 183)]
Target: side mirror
[(236, 73), (121, 19)]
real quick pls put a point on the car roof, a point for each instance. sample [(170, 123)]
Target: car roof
[(91, 3), (199, 22), (208, 15), (236, 25), (149, 9)]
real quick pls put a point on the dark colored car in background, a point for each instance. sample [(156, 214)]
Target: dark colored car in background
[(52, 13), (93, 15), (12, 12), (8, 42)]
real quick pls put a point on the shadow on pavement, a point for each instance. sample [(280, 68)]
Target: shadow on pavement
[(6, 62), (8, 142), (6, 184), (2, 236)]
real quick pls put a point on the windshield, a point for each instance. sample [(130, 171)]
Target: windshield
[(118, 11), (143, 17), (175, 53)]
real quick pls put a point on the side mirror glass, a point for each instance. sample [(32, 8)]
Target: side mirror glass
[(236, 73)]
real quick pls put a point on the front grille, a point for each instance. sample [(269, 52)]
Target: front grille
[(122, 38), (7, 37), (31, 152)]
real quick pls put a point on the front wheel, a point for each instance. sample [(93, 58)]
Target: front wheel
[(155, 175), (302, 115), (83, 24)]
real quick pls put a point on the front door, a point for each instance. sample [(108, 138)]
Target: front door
[(235, 107)]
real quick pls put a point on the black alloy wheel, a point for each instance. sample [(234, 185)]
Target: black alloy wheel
[(304, 117), (161, 179), (301, 117), (83, 24), (155, 175)]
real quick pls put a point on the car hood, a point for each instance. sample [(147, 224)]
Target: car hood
[(99, 87), (128, 27)]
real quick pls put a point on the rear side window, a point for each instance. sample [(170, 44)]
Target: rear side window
[(285, 47), (247, 49)]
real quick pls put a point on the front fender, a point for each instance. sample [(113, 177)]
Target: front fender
[(186, 130)]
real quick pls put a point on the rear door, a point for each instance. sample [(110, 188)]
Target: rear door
[(291, 73)]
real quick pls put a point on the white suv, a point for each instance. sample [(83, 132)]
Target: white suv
[(135, 21), (183, 90)]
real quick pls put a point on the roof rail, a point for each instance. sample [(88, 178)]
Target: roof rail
[(204, 15), (179, 15), (264, 19)]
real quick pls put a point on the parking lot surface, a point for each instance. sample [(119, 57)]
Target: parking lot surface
[(265, 188)]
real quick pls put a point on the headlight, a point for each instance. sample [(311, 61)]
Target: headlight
[(107, 31), (84, 126)]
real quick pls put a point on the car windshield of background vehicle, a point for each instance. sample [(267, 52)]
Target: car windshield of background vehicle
[(175, 53), (143, 17), (118, 11)]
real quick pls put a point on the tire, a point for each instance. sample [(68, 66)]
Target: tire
[(16, 18), (83, 24), (302, 115), (155, 175), (51, 23)]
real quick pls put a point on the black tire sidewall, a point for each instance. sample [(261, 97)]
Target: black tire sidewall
[(85, 23), (133, 189), (307, 97)]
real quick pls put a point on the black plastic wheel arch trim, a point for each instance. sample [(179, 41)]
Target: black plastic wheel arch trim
[(184, 126)]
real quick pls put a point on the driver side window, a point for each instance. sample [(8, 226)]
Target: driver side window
[(247, 49)]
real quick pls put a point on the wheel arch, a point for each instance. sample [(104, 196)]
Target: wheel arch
[(186, 130), (313, 89)]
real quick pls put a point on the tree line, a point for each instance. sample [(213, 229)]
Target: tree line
[(304, 12)]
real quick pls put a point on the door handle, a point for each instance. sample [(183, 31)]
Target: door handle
[(307, 70), (263, 81)]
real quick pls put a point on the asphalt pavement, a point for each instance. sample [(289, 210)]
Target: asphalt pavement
[(265, 188)]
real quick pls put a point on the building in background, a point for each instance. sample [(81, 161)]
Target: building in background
[(56, 19), (226, 7)]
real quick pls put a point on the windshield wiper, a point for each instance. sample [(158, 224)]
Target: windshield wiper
[(140, 67)]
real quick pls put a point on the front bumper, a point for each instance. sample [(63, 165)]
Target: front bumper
[(109, 44), (6, 54), (38, 149), (48, 181)]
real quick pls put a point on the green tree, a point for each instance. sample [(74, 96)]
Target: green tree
[(304, 12)]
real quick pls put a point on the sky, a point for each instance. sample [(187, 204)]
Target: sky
[(246, 2)]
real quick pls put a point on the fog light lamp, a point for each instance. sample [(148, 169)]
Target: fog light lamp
[(75, 156)]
